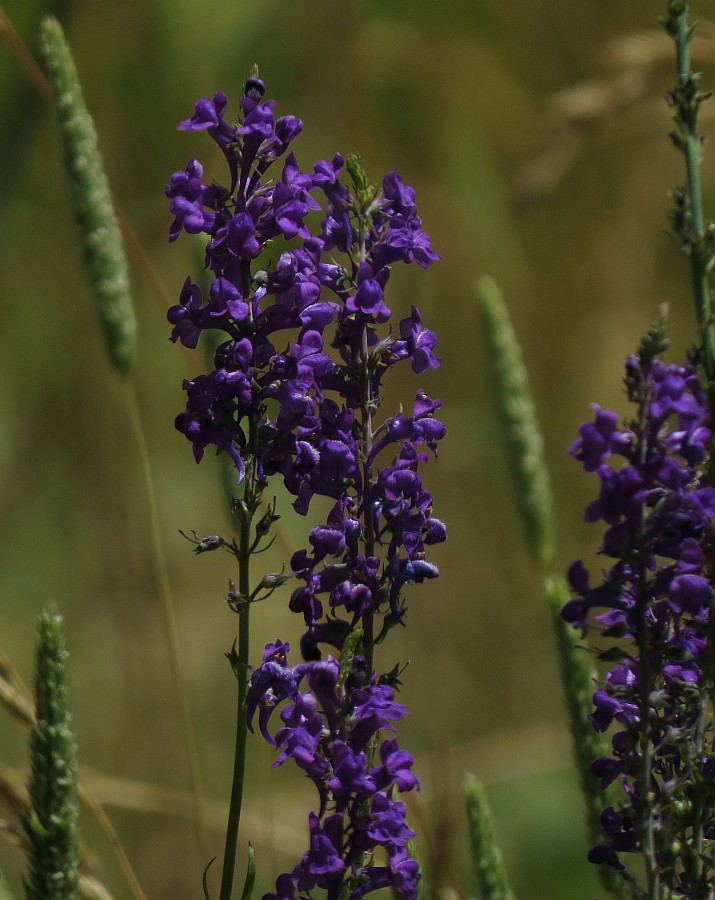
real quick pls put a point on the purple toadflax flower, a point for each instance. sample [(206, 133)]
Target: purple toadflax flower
[(658, 508), (300, 263)]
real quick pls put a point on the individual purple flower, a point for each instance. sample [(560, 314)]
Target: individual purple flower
[(395, 769), (369, 297), (208, 116), (417, 343), (322, 862), (599, 439), (188, 317), (387, 824), (351, 779), (271, 683), (189, 198)]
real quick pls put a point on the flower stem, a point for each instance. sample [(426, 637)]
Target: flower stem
[(687, 102), (696, 239), (645, 798), (646, 756), (239, 760), (367, 410), (246, 509)]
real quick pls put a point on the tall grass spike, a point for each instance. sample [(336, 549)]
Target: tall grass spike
[(100, 232)]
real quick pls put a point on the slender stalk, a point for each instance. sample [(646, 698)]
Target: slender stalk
[(697, 243), (88, 798), (367, 410), (246, 510), (645, 794), (239, 759), (162, 575), (687, 101), (28, 62), (646, 757)]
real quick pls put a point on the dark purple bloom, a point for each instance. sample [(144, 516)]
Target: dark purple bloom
[(350, 774), (690, 593), (188, 317), (271, 683), (597, 439), (395, 769), (418, 343), (208, 114), (189, 197), (387, 822), (321, 861)]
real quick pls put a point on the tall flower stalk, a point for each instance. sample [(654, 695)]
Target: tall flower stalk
[(654, 607), (299, 264)]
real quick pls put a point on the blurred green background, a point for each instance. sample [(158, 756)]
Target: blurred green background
[(535, 134)]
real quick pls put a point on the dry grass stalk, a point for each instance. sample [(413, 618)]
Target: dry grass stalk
[(638, 61), (14, 693)]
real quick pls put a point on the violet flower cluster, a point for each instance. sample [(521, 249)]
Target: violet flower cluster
[(654, 602), (294, 392), (330, 731)]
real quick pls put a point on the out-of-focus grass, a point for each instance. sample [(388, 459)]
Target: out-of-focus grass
[(460, 102)]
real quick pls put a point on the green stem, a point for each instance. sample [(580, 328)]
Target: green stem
[(644, 809), (646, 755), (367, 409), (696, 857), (246, 510), (699, 254), (239, 759), (688, 103), (172, 640)]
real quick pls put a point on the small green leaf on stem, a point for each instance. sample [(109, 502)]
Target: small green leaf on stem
[(250, 881), (347, 654)]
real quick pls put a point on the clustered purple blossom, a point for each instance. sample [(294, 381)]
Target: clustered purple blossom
[(280, 402), (330, 731), (658, 509)]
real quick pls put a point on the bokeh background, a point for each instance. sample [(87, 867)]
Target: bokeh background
[(535, 134)]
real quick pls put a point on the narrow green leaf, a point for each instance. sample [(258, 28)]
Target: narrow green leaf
[(250, 881), (205, 879), (347, 654)]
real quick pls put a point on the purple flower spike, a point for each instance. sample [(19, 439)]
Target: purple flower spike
[(656, 600), (299, 263)]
